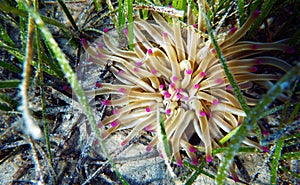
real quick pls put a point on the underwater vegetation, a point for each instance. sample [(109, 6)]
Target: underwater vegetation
[(173, 74)]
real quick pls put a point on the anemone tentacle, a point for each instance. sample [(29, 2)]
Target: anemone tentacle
[(174, 70)]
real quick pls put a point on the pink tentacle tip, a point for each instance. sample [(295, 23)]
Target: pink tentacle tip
[(219, 80), (179, 162), (215, 101), (258, 61), (100, 45), (65, 88), (161, 86), (104, 135), (192, 149), (202, 74), (255, 14), (99, 55), (148, 128), (165, 34), (120, 72), (148, 148), (213, 51), (195, 25), (172, 85), (122, 90), (168, 111), (148, 109), (161, 155), (83, 41), (105, 30), (126, 31), (115, 111), (233, 30), (202, 113), (124, 143), (253, 69), (228, 88), (290, 50), (114, 123), (98, 85), (208, 158), (254, 46), (106, 102), (189, 71), (91, 59), (178, 96), (195, 162), (139, 63), (174, 78), (136, 69), (264, 148), (264, 132), (96, 142), (153, 71), (149, 51), (235, 178), (168, 96)]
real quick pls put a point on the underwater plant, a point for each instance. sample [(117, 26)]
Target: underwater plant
[(174, 73)]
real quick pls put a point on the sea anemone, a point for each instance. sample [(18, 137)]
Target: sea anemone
[(174, 73)]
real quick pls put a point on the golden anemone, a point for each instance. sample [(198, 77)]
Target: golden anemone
[(173, 72)]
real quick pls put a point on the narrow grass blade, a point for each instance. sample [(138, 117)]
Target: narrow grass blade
[(241, 11), (68, 14), (228, 136), (275, 161), (179, 5), (111, 9), (6, 38), (121, 17), (22, 26), (295, 38), (265, 10), (4, 107), (130, 24), (195, 174), (164, 137), (43, 98), (9, 84), (292, 155), (7, 100), (10, 67), (98, 5), (243, 149), (297, 107)]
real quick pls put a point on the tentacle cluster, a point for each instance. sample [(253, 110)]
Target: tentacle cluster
[(174, 71)]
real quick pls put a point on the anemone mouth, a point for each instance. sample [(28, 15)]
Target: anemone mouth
[(173, 72)]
